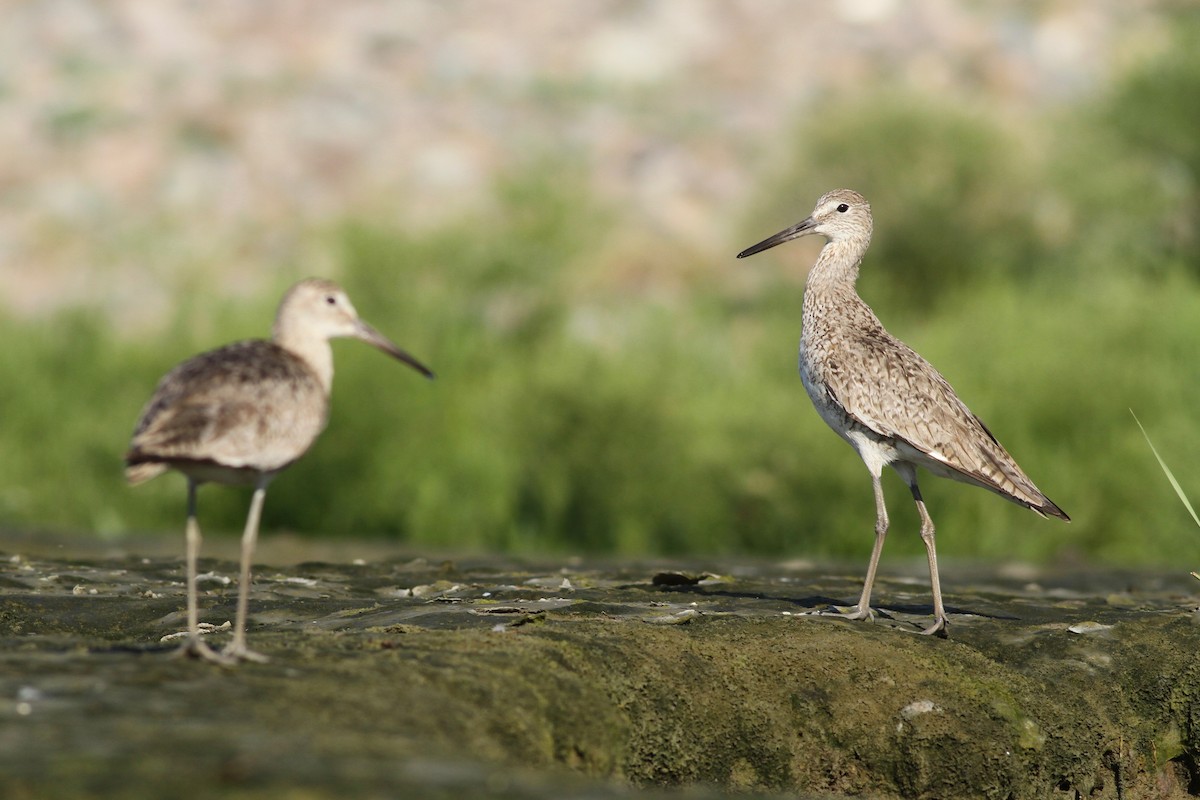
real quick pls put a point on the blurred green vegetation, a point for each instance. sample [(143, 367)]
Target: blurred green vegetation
[(1048, 267)]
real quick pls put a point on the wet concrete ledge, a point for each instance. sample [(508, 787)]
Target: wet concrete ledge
[(493, 678)]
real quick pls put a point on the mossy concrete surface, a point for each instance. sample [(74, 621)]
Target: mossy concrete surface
[(493, 678)]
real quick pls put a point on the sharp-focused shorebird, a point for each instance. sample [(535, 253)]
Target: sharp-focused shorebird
[(241, 414), (890, 404)]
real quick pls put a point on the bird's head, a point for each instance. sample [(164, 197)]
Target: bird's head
[(838, 216)]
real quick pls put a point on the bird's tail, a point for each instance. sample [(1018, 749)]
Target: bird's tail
[(141, 471)]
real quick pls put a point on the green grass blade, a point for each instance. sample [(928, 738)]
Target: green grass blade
[(1171, 477)]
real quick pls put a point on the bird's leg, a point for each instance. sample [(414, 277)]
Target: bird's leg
[(237, 649), (939, 611), (193, 555), (863, 609), (193, 645)]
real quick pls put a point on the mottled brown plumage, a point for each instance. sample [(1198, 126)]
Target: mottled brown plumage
[(208, 413), (244, 412), (889, 403)]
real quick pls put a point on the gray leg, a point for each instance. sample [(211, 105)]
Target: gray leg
[(193, 645), (237, 648), (863, 609), (193, 555), (939, 611)]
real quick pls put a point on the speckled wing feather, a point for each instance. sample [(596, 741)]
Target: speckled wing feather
[(240, 406), (898, 394)]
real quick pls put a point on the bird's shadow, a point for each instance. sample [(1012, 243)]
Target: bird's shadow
[(816, 603)]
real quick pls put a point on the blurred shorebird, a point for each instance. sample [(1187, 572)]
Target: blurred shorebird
[(890, 404), (241, 414)]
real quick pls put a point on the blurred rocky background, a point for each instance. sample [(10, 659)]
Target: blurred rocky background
[(145, 142)]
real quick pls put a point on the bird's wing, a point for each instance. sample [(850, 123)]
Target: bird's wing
[(233, 406), (887, 387)]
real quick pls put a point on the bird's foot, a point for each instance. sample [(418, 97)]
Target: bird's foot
[(237, 651), (848, 612), (195, 647), (939, 628)]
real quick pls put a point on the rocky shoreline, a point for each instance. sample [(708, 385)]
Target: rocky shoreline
[(490, 677)]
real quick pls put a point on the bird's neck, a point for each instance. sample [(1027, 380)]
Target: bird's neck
[(836, 270), (830, 299), (312, 350)]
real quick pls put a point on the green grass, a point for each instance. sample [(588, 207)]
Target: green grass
[(631, 427), (1179, 492)]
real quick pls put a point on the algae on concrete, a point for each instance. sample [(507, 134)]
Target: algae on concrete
[(494, 678)]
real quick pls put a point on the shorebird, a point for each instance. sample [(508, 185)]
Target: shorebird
[(889, 403), (241, 414)]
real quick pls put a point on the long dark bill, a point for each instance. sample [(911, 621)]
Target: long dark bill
[(376, 339), (799, 229)]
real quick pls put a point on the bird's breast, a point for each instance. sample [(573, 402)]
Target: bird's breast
[(813, 369)]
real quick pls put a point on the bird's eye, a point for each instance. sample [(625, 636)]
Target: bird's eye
[(843, 208), (330, 300)]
